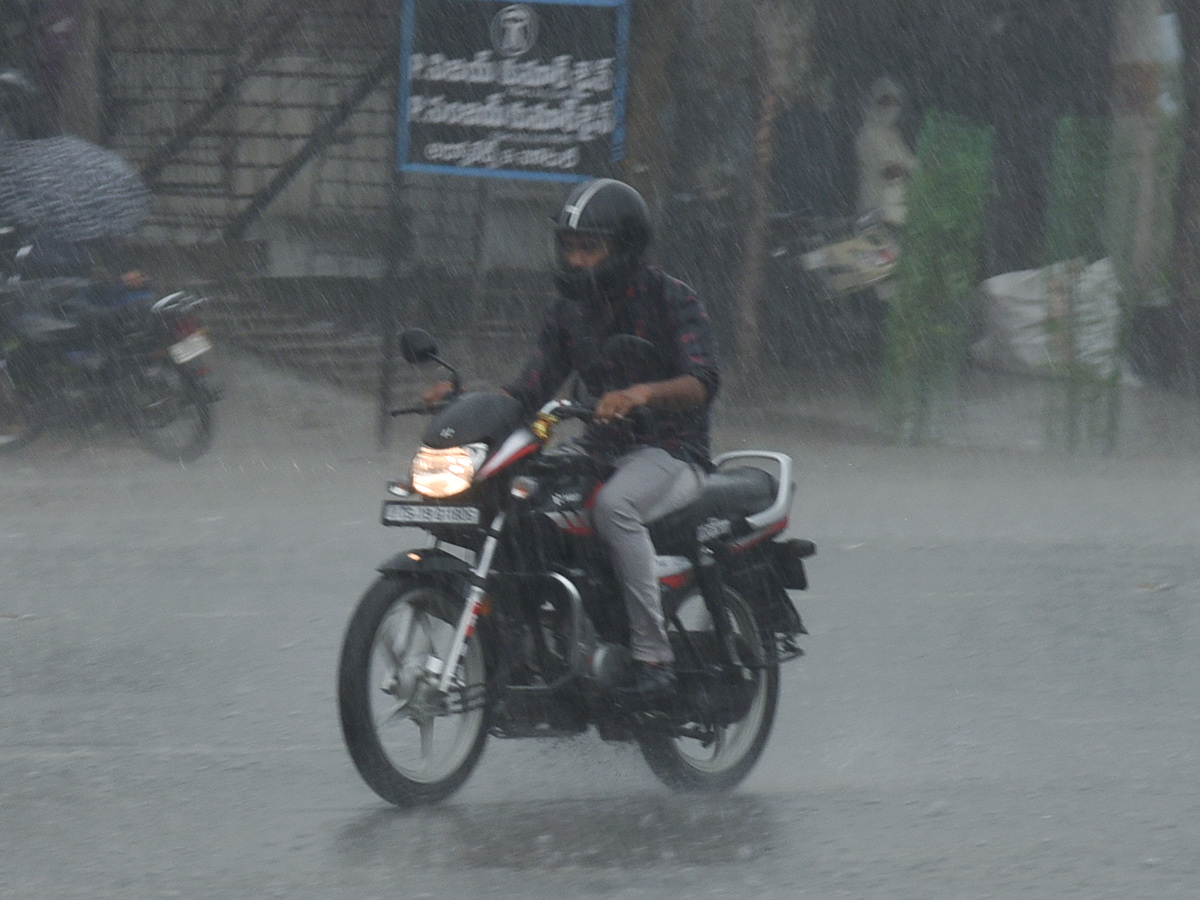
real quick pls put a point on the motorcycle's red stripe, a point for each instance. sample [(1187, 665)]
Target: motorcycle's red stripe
[(496, 463), (577, 525), (758, 537)]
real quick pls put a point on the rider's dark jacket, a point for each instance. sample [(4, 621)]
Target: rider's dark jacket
[(656, 307)]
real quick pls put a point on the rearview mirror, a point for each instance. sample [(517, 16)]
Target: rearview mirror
[(417, 346)]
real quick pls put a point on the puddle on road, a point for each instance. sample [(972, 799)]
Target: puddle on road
[(602, 833)]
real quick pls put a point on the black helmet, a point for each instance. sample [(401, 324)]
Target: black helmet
[(616, 212)]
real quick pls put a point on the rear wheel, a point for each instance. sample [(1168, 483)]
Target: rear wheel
[(729, 727), (172, 416), (411, 744), (18, 423)]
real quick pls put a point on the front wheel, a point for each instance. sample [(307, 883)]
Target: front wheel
[(172, 415), (411, 744), (715, 750)]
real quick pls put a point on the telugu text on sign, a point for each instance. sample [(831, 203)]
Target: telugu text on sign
[(522, 90)]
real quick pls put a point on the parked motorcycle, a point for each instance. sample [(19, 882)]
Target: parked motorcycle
[(511, 622), (75, 354), (834, 278)]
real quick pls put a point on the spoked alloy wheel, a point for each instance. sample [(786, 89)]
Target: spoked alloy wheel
[(409, 743), (18, 425), (707, 754), (172, 416)]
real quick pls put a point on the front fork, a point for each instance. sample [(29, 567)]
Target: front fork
[(441, 670)]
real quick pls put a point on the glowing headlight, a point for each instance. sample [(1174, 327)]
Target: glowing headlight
[(444, 473)]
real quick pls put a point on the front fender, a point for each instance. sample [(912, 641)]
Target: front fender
[(426, 561), (451, 576)]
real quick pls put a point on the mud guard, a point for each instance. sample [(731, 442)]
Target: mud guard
[(765, 578), (426, 561)]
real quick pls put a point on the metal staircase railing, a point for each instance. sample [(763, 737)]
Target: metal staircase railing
[(224, 106)]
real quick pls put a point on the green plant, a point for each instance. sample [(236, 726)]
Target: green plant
[(1083, 323), (1076, 197), (1095, 179), (928, 322), (1083, 326)]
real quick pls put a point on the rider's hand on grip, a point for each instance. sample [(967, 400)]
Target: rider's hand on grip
[(621, 404), (437, 393)]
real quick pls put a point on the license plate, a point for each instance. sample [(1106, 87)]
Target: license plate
[(189, 348), (396, 513)]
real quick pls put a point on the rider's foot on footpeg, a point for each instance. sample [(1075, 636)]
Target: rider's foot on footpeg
[(652, 683)]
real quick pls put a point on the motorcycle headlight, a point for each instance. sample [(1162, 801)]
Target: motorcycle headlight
[(444, 473)]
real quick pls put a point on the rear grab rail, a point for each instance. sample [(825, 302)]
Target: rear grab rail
[(783, 496)]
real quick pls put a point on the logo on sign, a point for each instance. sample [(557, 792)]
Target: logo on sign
[(514, 30)]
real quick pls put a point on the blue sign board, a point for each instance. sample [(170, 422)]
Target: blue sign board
[(513, 90)]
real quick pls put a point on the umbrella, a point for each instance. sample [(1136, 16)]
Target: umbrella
[(69, 189)]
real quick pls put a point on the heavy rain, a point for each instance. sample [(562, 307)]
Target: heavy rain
[(949, 251)]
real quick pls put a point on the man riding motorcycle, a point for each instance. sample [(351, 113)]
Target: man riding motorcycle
[(602, 235)]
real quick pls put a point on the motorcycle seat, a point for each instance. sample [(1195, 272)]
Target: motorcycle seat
[(40, 327), (63, 308), (737, 492), (731, 494), (47, 293)]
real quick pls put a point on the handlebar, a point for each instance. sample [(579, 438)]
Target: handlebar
[(420, 410), (563, 408), (560, 408), (640, 417)]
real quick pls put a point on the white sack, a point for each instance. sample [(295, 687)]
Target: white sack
[(1025, 329)]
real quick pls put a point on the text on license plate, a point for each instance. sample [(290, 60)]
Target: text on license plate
[(189, 348), (416, 514)]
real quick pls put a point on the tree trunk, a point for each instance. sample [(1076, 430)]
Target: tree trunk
[(1185, 282), (781, 35), (1135, 141), (647, 154), (747, 341)]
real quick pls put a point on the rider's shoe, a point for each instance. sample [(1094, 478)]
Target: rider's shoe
[(653, 683)]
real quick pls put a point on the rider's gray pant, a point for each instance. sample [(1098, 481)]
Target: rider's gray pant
[(649, 483)]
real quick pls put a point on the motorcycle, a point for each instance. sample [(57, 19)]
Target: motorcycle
[(76, 353), (511, 623), (835, 278)]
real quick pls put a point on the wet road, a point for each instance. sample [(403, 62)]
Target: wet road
[(998, 701)]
